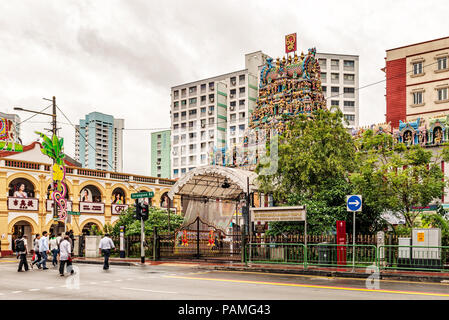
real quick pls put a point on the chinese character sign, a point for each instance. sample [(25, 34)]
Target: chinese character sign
[(290, 43)]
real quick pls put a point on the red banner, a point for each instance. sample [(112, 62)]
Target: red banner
[(341, 239), (290, 43)]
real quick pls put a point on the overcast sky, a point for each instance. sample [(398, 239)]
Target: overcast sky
[(122, 57)]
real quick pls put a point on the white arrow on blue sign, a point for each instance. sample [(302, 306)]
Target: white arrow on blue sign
[(354, 203)]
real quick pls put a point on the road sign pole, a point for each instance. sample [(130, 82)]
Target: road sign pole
[(353, 242)]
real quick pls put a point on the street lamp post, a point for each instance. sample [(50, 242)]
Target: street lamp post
[(53, 122)]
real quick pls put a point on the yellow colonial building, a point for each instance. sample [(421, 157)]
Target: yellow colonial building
[(99, 196)]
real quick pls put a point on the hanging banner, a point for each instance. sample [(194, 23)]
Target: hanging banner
[(91, 207), (23, 204), (49, 205), (118, 208), (290, 43)]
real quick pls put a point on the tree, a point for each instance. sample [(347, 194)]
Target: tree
[(396, 177), (315, 159), (156, 218)]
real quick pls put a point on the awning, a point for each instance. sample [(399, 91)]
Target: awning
[(207, 182)]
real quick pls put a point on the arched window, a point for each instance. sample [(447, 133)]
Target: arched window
[(90, 193), (21, 188), (118, 196)]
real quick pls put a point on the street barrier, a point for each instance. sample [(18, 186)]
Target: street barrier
[(288, 253), (423, 258)]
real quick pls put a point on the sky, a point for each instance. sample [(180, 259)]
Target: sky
[(122, 57)]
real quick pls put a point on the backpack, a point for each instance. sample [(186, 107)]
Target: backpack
[(20, 245)]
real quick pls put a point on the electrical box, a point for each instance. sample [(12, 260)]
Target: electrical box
[(426, 238), (404, 252)]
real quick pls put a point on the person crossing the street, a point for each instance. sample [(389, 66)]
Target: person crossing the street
[(106, 245), (37, 255), (43, 250), (65, 257), (22, 249)]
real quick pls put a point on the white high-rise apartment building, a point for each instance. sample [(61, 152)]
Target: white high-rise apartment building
[(340, 80), (99, 142), (212, 112)]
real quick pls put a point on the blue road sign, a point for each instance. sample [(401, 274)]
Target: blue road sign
[(354, 203)]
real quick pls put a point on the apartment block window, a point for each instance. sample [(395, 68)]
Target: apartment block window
[(233, 103), (176, 104), (241, 77), (175, 172), (183, 152), (211, 120), (442, 63), (324, 88), (211, 98), (211, 86), (241, 127), (192, 90), (183, 115), (192, 112), (203, 88), (350, 117), (417, 68), (335, 90), (183, 125), (349, 90), (176, 94), (203, 135), (175, 139), (348, 77), (323, 76), (233, 81), (349, 103), (211, 108), (348, 64), (183, 170), (335, 64), (322, 63), (176, 116), (242, 102), (183, 92), (183, 138), (203, 110), (203, 100), (192, 101), (232, 93), (417, 97), (241, 90), (335, 103), (183, 102), (442, 94), (335, 77)]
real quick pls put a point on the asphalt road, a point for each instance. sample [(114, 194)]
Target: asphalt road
[(188, 282)]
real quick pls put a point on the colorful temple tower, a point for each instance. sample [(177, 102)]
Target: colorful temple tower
[(288, 87)]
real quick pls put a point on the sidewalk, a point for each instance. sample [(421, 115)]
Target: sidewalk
[(404, 275)]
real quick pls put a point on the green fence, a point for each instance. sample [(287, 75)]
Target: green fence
[(290, 253), (425, 258), (341, 255)]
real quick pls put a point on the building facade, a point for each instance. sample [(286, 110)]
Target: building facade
[(99, 142), (160, 154), (417, 82), (340, 80), (15, 120), (100, 196), (211, 113)]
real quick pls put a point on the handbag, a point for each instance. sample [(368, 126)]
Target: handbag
[(69, 259)]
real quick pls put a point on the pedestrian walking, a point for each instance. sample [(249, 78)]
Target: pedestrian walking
[(65, 257), (54, 250), (22, 249), (106, 245), (43, 250), (37, 254), (72, 239), (58, 239)]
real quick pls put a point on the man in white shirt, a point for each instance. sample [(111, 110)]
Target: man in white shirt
[(64, 255), (43, 250), (106, 245)]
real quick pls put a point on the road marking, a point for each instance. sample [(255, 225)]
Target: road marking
[(329, 278), (315, 286), (137, 289), (118, 280), (16, 291), (9, 260), (106, 281), (34, 290)]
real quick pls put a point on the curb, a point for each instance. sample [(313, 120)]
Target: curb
[(334, 274), (115, 263)]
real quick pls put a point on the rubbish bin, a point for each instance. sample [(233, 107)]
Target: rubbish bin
[(324, 253)]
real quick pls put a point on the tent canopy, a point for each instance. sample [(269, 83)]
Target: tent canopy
[(207, 182)]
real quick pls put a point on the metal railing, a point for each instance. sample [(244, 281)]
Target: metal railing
[(425, 258), (418, 258)]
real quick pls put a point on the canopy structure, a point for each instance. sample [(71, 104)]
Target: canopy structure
[(209, 181)]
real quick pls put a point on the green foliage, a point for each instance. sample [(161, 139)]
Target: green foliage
[(94, 231), (437, 220), (396, 179), (156, 218), (108, 228), (315, 160), (52, 147)]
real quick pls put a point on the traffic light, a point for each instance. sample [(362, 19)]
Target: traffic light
[(144, 212), (138, 214)]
